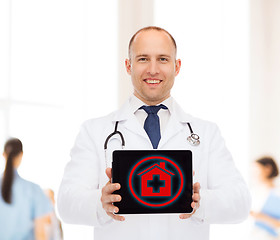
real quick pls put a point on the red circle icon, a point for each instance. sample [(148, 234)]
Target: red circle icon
[(152, 204)]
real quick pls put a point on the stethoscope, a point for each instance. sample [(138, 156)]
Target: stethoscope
[(193, 139)]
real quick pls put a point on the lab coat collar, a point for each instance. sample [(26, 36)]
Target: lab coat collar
[(178, 113), (178, 120), (126, 116), (126, 112)]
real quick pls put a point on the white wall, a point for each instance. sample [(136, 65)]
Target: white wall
[(54, 65), (55, 68), (133, 15), (213, 44), (265, 79)]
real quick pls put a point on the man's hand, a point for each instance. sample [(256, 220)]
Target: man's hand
[(108, 198), (195, 203)]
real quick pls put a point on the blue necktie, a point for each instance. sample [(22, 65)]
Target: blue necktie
[(151, 124)]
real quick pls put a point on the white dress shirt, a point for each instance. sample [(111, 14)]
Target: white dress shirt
[(141, 115)]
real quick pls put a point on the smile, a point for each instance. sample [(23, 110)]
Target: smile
[(152, 81)]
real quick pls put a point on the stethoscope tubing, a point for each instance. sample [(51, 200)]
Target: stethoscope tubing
[(116, 132), (193, 139)]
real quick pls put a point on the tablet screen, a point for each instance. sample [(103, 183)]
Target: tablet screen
[(153, 181)]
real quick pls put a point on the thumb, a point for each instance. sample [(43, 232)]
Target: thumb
[(109, 173)]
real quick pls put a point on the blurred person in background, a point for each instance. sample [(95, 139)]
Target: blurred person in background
[(266, 211), (23, 205), (53, 226)]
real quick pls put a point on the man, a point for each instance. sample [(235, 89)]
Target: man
[(86, 193)]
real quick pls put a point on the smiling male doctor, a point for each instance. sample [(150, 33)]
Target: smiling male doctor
[(85, 196)]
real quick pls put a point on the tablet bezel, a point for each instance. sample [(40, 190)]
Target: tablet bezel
[(185, 198)]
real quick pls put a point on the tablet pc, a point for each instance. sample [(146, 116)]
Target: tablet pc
[(153, 181)]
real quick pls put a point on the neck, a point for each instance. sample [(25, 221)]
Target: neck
[(269, 183), (151, 102)]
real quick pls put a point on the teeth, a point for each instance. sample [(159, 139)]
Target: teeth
[(153, 81)]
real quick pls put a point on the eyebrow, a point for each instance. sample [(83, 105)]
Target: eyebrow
[(141, 55), (165, 55), (146, 55)]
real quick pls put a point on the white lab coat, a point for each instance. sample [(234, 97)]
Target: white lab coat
[(224, 195)]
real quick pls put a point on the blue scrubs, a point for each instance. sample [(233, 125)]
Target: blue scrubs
[(28, 203)]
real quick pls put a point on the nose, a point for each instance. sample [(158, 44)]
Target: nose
[(153, 68)]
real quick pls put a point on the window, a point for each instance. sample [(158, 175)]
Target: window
[(59, 59)]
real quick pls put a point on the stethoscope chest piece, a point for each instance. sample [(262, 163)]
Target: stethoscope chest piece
[(193, 139)]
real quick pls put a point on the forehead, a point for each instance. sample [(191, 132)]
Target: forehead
[(153, 42)]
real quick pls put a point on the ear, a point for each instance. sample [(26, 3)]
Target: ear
[(128, 66), (177, 66)]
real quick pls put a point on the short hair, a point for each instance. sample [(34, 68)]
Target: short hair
[(269, 161), (147, 29)]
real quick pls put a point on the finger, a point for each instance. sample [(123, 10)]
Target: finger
[(109, 173), (110, 198), (110, 208), (110, 188), (116, 217), (195, 205), (185, 216), (114, 198), (196, 187), (196, 197)]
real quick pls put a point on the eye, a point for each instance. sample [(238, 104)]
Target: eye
[(142, 59), (163, 59)]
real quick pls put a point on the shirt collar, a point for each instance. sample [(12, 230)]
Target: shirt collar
[(16, 173), (133, 103), (136, 103)]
